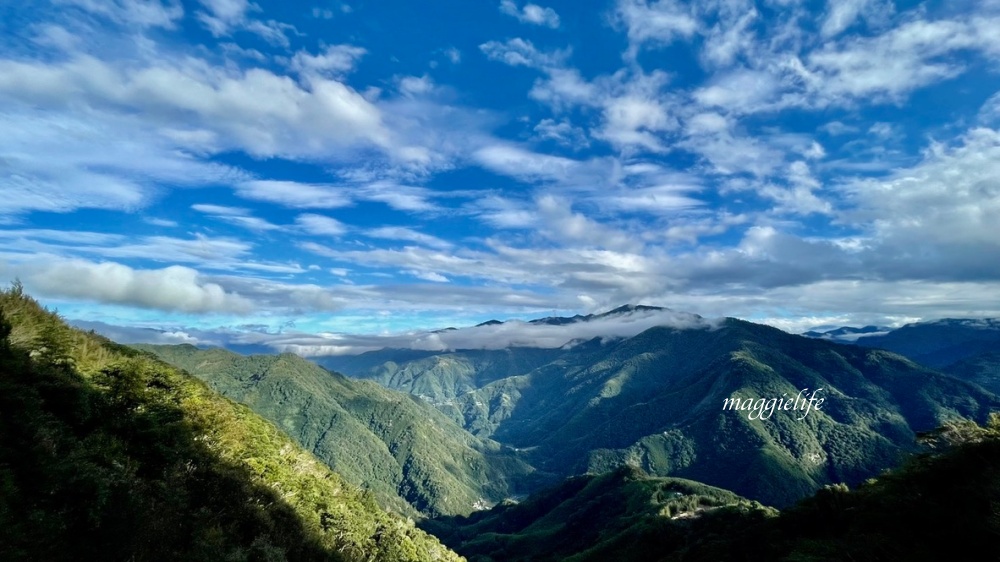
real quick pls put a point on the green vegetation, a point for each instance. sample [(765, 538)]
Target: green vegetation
[(982, 369), (414, 458), (622, 515), (655, 401), (108, 454), (942, 505)]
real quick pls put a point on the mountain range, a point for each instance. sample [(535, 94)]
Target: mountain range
[(610, 440), (965, 348), (655, 400)]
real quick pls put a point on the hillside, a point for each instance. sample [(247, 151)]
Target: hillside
[(622, 515), (108, 454), (982, 369), (655, 401), (414, 458), (942, 505)]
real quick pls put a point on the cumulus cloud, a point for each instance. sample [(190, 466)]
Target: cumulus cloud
[(530, 13), (174, 288), (334, 61), (521, 52), (254, 110)]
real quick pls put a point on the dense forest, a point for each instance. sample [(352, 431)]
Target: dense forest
[(109, 454), (943, 504)]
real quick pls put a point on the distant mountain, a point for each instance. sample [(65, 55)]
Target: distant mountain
[(941, 505), (655, 400), (941, 342), (621, 310), (414, 458), (107, 453), (846, 334)]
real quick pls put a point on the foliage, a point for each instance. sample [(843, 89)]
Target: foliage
[(108, 454), (655, 401), (622, 515), (943, 504), (411, 456)]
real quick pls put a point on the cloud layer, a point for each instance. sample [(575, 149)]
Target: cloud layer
[(229, 163)]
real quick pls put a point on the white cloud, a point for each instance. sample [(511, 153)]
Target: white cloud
[(558, 221), (225, 16), (530, 13), (142, 13), (173, 288), (654, 23), (408, 235), (989, 113), (429, 276), (729, 38), (320, 225), (235, 215), (295, 195), (335, 61), (513, 333), (841, 14), (563, 132), (104, 163), (950, 203), (254, 110), (739, 91), (520, 163), (416, 85), (891, 65), (521, 52)]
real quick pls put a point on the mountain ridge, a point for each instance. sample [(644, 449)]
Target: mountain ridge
[(656, 399)]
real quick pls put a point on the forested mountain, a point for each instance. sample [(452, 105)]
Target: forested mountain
[(414, 458), (942, 505), (621, 515), (940, 343), (109, 454), (655, 400), (982, 369)]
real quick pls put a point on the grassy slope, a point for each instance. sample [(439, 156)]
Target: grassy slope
[(411, 455), (107, 454)]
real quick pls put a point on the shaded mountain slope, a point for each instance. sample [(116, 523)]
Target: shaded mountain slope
[(107, 454), (411, 455), (656, 400), (615, 516), (982, 369), (941, 505)]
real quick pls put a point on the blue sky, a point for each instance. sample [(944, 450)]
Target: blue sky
[(249, 170)]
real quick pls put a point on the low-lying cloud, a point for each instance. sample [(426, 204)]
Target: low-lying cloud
[(513, 333)]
